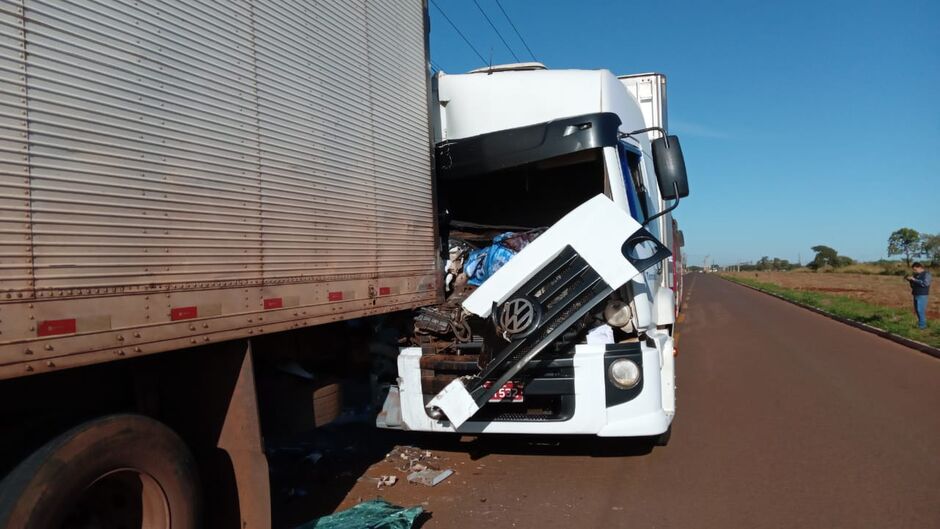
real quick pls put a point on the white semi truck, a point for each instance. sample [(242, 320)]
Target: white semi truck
[(207, 209), (573, 334)]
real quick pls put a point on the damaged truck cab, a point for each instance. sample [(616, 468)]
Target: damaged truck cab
[(552, 191)]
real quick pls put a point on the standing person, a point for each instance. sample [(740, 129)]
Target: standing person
[(920, 289)]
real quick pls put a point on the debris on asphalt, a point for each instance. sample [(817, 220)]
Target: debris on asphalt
[(411, 459), (381, 481), (429, 477), (373, 513)]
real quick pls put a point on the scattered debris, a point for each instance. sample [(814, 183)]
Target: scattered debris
[(429, 477), (382, 481), (411, 459), (374, 513)]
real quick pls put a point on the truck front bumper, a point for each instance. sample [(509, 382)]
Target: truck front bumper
[(598, 408)]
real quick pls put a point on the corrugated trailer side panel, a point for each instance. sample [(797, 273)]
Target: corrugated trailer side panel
[(390, 109), (175, 173), (15, 248)]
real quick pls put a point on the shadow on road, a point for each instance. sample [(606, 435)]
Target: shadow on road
[(312, 477), (480, 447)]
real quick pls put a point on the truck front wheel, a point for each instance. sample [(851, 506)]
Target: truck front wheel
[(113, 472)]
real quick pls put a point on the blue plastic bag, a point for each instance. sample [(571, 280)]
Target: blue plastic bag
[(483, 263)]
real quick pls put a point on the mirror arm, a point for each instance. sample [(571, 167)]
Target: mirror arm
[(674, 205), (624, 135)]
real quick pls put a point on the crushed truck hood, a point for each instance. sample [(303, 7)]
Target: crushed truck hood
[(551, 284)]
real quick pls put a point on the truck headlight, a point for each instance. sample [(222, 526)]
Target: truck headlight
[(618, 314), (624, 373)]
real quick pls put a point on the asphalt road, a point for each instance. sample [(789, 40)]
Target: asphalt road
[(785, 419)]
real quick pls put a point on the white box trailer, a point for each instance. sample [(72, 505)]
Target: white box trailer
[(177, 173), (649, 91)]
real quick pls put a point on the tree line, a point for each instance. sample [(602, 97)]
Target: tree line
[(905, 242)]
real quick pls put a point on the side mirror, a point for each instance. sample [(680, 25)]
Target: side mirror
[(681, 237), (670, 168)]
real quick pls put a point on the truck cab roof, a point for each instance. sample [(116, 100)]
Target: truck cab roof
[(513, 96)]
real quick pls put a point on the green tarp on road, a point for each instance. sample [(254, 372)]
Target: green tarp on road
[(374, 514)]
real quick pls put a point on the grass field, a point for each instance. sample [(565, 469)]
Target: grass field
[(880, 301), (890, 268)]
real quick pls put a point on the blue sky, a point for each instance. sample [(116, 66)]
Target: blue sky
[(802, 123)]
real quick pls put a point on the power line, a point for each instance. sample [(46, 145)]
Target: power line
[(514, 28), (465, 39), (498, 34)]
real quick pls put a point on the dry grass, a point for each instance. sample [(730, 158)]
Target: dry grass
[(897, 268), (885, 291)]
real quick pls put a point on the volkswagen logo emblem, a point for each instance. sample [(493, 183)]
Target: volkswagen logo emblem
[(519, 316)]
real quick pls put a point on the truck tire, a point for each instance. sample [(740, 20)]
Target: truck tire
[(115, 471)]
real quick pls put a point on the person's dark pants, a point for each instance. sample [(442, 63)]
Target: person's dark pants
[(920, 308)]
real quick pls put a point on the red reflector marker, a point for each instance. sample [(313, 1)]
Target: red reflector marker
[(273, 303), (51, 327), (335, 296), (384, 291), (183, 313)]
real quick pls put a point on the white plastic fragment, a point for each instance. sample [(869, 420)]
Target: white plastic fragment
[(429, 477)]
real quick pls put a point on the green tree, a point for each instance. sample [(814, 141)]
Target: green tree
[(930, 247), (906, 242), (763, 263), (825, 256), (780, 264)]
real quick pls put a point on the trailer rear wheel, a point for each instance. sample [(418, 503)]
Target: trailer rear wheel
[(119, 471)]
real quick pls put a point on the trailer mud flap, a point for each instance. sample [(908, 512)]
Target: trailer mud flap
[(545, 291)]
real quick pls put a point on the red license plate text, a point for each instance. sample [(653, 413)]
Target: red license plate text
[(510, 392)]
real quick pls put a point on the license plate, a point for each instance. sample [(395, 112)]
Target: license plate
[(510, 392)]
